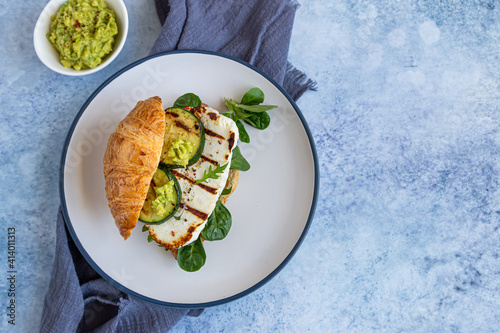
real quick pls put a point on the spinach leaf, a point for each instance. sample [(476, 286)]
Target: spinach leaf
[(238, 162), (188, 99), (235, 112), (227, 191), (259, 120), (252, 112), (239, 113), (252, 97), (229, 104), (192, 256), (244, 137), (218, 223), (256, 108)]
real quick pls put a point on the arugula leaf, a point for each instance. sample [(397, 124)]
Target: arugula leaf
[(218, 223), (238, 162), (213, 174), (259, 120), (188, 99), (192, 257), (244, 137), (144, 228), (252, 97)]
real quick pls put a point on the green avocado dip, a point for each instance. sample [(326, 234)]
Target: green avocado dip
[(180, 151), (83, 32), (165, 195)]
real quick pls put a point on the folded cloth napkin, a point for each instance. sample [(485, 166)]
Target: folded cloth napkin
[(257, 31), (79, 300)]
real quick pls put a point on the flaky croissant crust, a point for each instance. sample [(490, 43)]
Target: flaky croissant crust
[(130, 160)]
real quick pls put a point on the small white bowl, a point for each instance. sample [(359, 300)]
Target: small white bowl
[(48, 54)]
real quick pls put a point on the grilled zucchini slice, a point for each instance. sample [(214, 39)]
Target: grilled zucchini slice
[(163, 198), (184, 139)]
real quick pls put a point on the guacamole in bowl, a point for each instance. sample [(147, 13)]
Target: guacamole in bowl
[(83, 33)]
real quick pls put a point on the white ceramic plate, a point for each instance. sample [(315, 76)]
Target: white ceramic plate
[(271, 208)]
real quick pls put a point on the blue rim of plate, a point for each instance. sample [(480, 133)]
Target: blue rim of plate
[(241, 294)]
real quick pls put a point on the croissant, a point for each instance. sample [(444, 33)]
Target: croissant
[(131, 158)]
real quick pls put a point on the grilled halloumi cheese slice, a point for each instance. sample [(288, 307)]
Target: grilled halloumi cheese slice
[(198, 201)]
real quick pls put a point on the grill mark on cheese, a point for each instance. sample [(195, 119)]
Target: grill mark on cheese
[(198, 109), (206, 159), (201, 215), (231, 140), (207, 188), (180, 175), (213, 134)]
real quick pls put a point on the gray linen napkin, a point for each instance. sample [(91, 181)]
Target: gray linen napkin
[(257, 31), (79, 300)]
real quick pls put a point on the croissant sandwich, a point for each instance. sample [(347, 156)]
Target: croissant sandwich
[(170, 169)]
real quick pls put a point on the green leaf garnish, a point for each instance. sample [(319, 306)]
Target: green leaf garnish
[(227, 191), (244, 137), (218, 223), (238, 162), (250, 110), (192, 257), (256, 108), (259, 120), (236, 112), (213, 174), (253, 96), (188, 99)]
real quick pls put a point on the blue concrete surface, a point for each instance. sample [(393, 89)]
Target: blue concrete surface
[(406, 236)]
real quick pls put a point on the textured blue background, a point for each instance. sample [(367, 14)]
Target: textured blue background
[(406, 119)]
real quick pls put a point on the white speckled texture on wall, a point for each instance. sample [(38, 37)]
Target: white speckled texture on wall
[(406, 236)]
